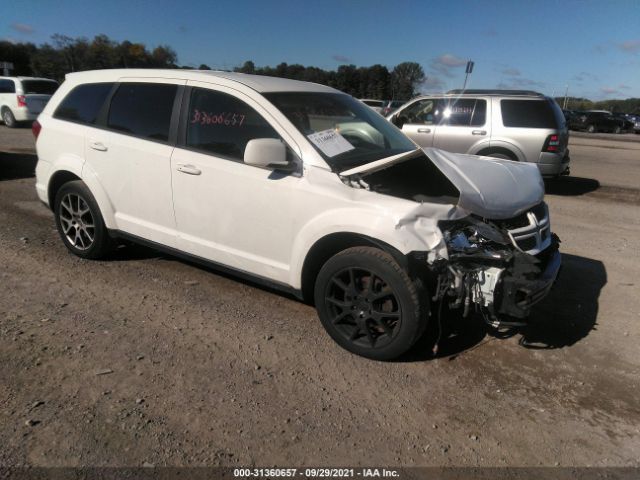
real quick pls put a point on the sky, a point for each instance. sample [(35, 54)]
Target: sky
[(591, 48)]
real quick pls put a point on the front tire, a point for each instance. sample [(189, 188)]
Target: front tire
[(591, 129), (617, 130), (8, 118), (368, 304), (80, 222)]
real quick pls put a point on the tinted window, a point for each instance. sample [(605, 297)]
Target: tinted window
[(7, 86), (39, 87), (528, 114), (83, 103), (466, 112), (223, 125), (143, 109)]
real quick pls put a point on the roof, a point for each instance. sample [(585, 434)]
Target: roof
[(258, 83), (496, 92), (27, 78)]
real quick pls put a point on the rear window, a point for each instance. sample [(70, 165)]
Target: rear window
[(143, 110), (83, 103), (529, 114), (39, 87)]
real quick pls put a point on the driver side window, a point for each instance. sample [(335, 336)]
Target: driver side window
[(422, 112), (222, 125)]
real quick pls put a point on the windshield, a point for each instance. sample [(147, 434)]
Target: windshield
[(343, 130)]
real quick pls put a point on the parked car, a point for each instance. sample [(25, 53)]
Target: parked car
[(510, 124), (636, 124), (300, 187), (376, 105), (627, 123), (23, 98), (391, 106), (597, 121)]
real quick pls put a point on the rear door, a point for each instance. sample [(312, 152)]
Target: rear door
[(130, 153), (464, 126)]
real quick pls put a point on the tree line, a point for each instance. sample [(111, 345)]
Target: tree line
[(65, 54), (629, 105), (376, 81)]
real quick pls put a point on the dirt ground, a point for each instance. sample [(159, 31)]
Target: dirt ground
[(145, 359)]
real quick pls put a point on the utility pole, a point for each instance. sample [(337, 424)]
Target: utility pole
[(468, 70), (566, 98)]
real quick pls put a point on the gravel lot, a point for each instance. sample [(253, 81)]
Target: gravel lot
[(144, 359)]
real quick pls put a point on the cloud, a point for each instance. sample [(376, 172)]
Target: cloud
[(444, 64), (630, 46), (584, 76), (609, 90), (520, 83), (182, 29), (513, 72), (622, 86), (23, 28), (341, 58), (431, 84), (490, 32)]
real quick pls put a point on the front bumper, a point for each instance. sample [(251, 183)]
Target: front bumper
[(520, 292)]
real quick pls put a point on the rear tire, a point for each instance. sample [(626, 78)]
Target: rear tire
[(80, 222), (368, 304), (8, 118), (617, 130), (591, 129)]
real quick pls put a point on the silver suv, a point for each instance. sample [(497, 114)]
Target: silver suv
[(511, 124)]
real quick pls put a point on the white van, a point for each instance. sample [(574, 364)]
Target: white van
[(23, 98)]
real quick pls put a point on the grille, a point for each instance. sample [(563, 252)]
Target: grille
[(530, 232)]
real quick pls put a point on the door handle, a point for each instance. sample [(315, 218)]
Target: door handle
[(424, 130), (479, 132), (98, 146), (189, 169)]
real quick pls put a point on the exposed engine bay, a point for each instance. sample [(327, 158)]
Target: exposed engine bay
[(498, 256)]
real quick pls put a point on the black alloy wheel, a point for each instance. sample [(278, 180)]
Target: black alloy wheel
[(368, 304)]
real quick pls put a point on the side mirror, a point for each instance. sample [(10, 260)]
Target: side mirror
[(266, 152)]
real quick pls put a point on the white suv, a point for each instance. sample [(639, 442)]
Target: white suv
[(23, 98), (298, 186)]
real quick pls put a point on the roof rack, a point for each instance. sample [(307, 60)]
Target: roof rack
[(495, 92)]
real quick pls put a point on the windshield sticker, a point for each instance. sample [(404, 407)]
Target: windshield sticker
[(330, 142)]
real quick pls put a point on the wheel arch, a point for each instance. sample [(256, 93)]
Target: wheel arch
[(488, 151), (329, 245), (69, 172)]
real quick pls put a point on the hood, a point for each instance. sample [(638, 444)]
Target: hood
[(490, 187)]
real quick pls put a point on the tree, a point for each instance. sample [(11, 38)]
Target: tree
[(247, 67), (405, 79), (204, 66)]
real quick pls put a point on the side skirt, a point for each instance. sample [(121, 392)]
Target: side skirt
[(253, 278)]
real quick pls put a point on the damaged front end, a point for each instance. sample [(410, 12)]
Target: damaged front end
[(498, 268)]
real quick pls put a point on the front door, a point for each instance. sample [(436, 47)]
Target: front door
[(226, 211), (418, 120)]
